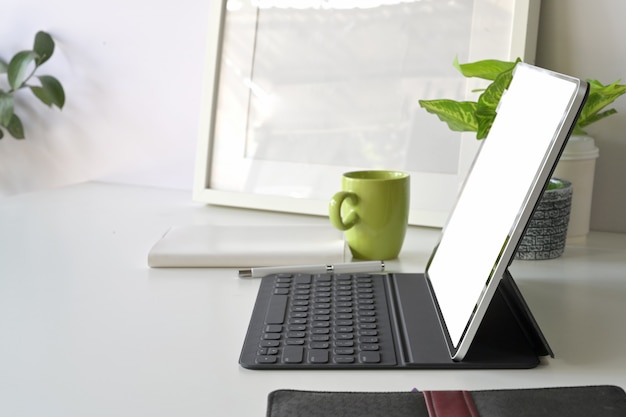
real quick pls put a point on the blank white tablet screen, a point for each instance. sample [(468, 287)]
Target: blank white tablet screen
[(504, 173)]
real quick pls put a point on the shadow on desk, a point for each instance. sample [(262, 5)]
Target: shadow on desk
[(584, 322)]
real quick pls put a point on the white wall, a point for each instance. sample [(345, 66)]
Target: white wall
[(586, 39), (133, 71)]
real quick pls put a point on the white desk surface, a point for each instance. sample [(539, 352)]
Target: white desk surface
[(87, 329)]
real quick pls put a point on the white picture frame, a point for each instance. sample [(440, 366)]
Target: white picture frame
[(297, 92)]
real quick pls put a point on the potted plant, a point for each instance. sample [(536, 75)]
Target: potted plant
[(20, 70), (477, 116)]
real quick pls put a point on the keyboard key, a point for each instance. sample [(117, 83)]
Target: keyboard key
[(268, 351), (318, 356), (302, 279), (371, 347), (266, 359), (276, 310), (369, 357), (368, 339), (293, 354)]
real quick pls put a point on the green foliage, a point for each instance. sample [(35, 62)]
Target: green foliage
[(469, 116), (600, 96), (19, 71), (554, 184)]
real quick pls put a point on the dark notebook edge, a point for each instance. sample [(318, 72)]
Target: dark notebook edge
[(571, 401)]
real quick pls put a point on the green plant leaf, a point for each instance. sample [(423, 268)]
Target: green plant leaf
[(43, 47), (599, 97), (488, 102), (1, 134), (596, 86), (485, 121), (500, 73), (487, 69), (6, 108), (493, 93), (15, 127), (554, 184), (595, 117), (3, 66), (460, 116), (51, 91), (19, 69)]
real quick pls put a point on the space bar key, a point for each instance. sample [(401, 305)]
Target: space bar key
[(276, 310)]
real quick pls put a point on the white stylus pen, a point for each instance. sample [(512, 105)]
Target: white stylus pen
[(350, 267)]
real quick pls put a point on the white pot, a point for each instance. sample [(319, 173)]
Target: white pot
[(577, 165)]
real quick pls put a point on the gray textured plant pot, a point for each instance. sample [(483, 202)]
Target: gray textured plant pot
[(545, 236)]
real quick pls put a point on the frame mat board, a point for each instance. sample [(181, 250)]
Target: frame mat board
[(574, 401)]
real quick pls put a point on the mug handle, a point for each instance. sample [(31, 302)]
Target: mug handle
[(334, 210)]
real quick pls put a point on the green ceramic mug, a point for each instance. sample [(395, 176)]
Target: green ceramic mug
[(373, 210)]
